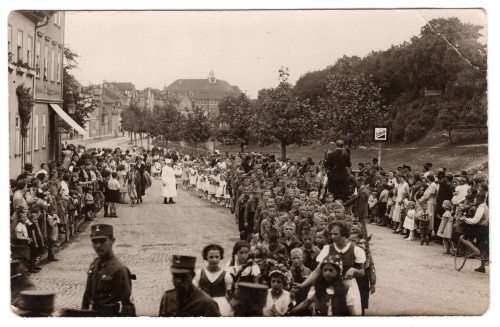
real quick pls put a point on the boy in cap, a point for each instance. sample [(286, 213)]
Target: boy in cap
[(186, 300), (109, 284)]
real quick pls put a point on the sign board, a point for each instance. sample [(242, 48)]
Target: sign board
[(380, 134)]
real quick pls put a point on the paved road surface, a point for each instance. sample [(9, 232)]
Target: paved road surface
[(147, 236)]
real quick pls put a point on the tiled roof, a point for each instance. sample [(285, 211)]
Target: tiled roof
[(202, 89), (122, 86), (113, 94)]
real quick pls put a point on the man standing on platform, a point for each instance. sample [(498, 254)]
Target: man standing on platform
[(169, 190), (336, 164)]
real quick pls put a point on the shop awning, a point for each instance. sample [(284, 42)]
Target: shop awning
[(68, 119)]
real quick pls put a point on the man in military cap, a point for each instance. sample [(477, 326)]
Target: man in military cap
[(109, 285), (185, 300), (35, 303), (249, 299)]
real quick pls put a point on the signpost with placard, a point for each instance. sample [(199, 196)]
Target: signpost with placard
[(380, 135)]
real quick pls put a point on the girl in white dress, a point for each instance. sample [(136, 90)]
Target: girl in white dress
[(410, 220), (278, 299), (214, 280)]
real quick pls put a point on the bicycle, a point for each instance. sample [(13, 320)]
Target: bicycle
[(462, 253)]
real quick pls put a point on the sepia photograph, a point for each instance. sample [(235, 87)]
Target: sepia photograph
[(248, 163)]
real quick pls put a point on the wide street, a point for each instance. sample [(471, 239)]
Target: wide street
[(411, 279)]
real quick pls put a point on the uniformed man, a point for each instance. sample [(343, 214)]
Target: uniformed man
[(109, 286), (185, 300), (249, 299)]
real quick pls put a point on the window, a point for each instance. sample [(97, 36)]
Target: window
[(30, 51), (37, 58), (57, 18), (44, 135), (45, 63), (9, 46), (18, 134), (19, 52), (52, 65), (35, 132), (58, 71)]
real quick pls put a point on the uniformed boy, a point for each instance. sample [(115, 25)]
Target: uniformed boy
[(109, 286), (185, 300)]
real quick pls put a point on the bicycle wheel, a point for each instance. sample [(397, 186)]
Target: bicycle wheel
[(461, 254)]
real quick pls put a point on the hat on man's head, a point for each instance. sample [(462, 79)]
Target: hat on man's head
[(399, 167), (249, 299), (428, 164), (407, 167), (101, 231), (35, 303), (182, 264), (28, 165), (441, 174)]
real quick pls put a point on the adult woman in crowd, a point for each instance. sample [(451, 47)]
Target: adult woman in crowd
[(353, 260)]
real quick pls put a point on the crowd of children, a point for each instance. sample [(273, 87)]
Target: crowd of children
[(285, 217)]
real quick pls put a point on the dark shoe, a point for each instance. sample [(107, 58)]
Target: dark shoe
[(165, 201), (34, 271), (106, 215), (53, 259), (480, 269), (421, 243), (171, 201), (427, 243), (113, 215), (395, 232)]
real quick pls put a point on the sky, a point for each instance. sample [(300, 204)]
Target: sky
[(244, 48)]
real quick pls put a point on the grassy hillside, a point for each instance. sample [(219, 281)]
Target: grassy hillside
[(453, 158)]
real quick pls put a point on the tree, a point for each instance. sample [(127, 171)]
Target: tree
[(449, 121), (476, 110), (164, 120), (235, 120), (131, 118), (74, 94), (282, 117), (352, 107), (196, 126)]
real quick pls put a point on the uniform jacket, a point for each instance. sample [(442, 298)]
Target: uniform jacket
[(109, 284), (197, 304)]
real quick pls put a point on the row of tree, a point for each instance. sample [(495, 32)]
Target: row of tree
[(350, 110)]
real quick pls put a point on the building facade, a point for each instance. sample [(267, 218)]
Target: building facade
[(110, 101), (206, 93), (35, 46)]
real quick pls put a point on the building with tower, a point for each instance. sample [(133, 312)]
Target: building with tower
[(206, 93)]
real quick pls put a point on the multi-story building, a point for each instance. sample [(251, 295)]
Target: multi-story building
[(110, 101), (36, 51), (206, 93)]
